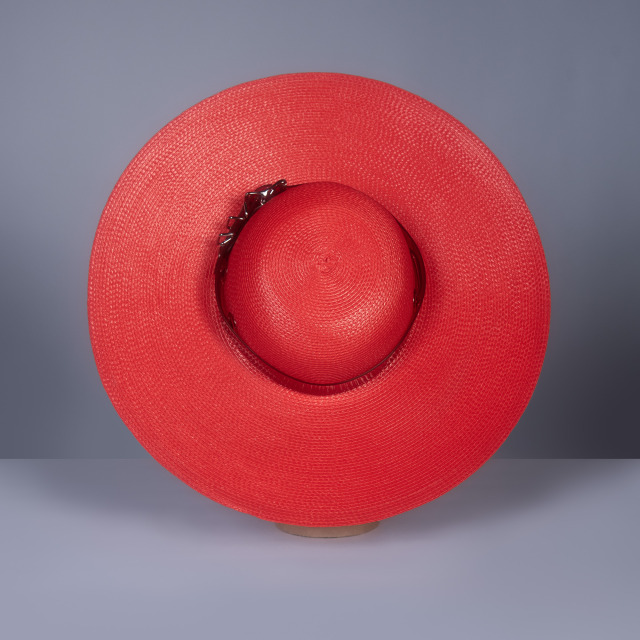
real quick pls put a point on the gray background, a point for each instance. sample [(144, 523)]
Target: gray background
[(522, 550), (551, 87)]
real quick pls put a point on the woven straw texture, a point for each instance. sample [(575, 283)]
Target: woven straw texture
[(438, 408), (321, 283)]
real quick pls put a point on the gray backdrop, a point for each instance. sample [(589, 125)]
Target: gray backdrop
[(551, 87)]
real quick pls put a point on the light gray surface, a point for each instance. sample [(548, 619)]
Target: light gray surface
[(524, 549), (551, 86)]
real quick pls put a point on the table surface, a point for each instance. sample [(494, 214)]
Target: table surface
[(121, 549)]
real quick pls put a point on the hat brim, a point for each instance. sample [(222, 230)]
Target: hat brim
[(439, 408)]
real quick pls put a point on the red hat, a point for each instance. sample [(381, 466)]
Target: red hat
[(350, 339)]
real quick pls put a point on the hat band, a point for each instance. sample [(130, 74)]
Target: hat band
[(253, 202)]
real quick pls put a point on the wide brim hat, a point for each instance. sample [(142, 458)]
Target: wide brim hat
[(194, 392)]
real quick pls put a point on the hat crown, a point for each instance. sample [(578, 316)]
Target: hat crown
[(320, 283)]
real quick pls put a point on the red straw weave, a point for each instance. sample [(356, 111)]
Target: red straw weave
[(321, 282), (445, 400)]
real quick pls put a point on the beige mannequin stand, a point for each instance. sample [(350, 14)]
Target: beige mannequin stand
[(327, 532)]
